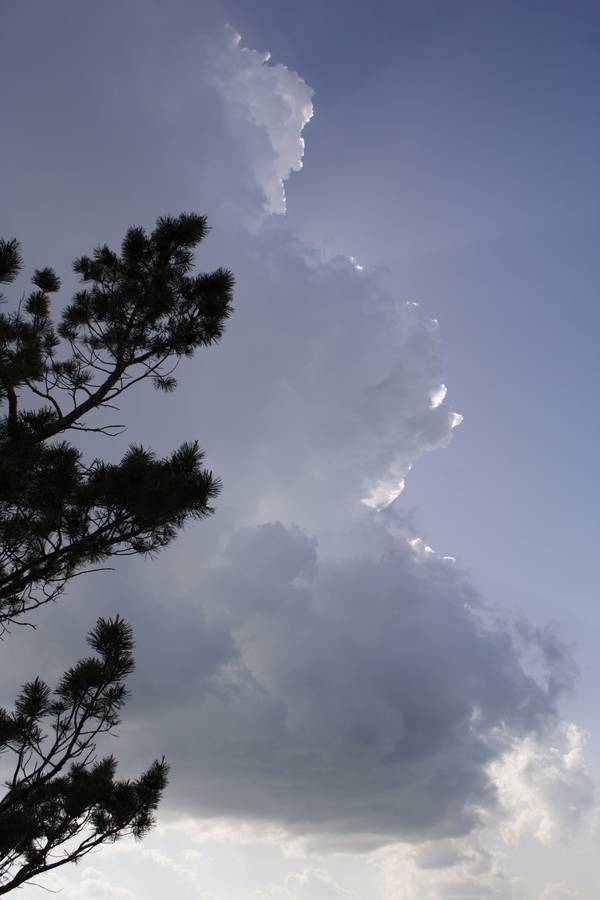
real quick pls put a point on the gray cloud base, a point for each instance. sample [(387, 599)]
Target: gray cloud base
[(362, 697)]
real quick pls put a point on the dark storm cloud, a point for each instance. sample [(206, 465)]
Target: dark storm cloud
[(364, 697)]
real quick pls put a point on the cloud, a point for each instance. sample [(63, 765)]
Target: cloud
[(546, 789), (310, 884), (304, 658), (362, 699), (130, 870), (329, 675), (437, 396), (327, 378), (235, 120), (450, 869), (276, 101), (559, 891), (92, 885), (308, 335)]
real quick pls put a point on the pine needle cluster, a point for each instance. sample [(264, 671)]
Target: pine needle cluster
[(137, 314)]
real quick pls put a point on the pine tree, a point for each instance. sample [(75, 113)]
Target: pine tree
[(138, 313), (61, 802)]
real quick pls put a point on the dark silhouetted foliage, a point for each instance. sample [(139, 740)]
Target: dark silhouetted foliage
[(137, 315), (61, 802)]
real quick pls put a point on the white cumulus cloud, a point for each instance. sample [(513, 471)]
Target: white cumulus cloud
[(559, 891), (276, 101), (545, 788)]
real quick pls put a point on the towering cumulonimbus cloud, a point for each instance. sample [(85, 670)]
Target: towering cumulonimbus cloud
[(305, 659), (353, 685)]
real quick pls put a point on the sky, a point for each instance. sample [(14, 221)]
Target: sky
[(374, 670)]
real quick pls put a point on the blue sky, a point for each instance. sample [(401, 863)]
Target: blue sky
[(453, 152)]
